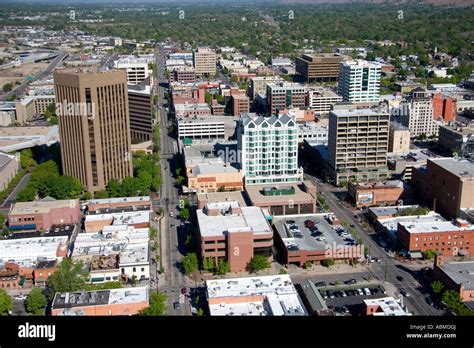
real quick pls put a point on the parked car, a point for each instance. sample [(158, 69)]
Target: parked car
[(20, 297), (361, 293), (176, 306), (350, 281), (367, 291)]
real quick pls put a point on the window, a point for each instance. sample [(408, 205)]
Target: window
[(143, 269), (134, 269)]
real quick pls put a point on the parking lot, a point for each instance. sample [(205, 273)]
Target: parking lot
[(346, 300)]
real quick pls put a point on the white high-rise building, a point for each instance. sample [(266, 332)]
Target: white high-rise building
[(269, 149), (359, 81), (416, 113), (137, 69)]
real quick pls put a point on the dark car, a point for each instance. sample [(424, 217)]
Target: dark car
[(350, 281), (399, 278), (176, 306), (320, 284)]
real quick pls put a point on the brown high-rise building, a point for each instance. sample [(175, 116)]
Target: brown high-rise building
[(94, 126), (319, 67)]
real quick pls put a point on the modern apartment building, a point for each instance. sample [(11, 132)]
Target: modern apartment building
[(258, 84), (139, 105), (285, 94), (322, 100), (398, 139), (319, 67), (416, 113), (204, 61), (359, 81), (136, 68), (358, 144), (95, 135), (233, 233), (269, 149)]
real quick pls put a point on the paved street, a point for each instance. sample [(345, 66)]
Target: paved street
[(49, 69), (171, 255), (389, 269)]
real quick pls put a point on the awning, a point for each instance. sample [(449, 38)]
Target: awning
[(415, 254)]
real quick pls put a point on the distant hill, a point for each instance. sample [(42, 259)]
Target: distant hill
[(460, 3)]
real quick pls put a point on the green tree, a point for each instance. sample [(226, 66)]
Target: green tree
[(6, 303), (7, 87), (114, 188), (101, 194), (184, 214), (308, 265), (153, 232), (26, 159), (36, 301), (223, 267), (258, 263), (429, 254), (157, 305), (437, 287), (328, 262), (27, 194), (208, 264), (70, 276), (190, 263)]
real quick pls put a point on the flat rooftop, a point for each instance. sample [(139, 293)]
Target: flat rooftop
[(131, 200), (251, 219), (387, 306), (390, 210), (42, 206), (217, 197), (272, 295), (255, 194), (122, 218), (460, 273), (304, 241), (100, 297), (26, 132), (206, 168), (29, 251), (460, 168), (433, 227), (355, 112)]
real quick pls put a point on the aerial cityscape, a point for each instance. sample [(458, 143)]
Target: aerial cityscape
[(244, 158)]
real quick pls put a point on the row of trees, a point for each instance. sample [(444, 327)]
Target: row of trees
[(191, 264), (46, 180), (450, 298)]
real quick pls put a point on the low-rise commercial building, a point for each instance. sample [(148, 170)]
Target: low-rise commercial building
[(258, 84), (184, 74), (457, 138), (457, 276), (402, 165), (123, 301), (312, 131), (215, 177), (96, 222), (119, 204), (447, 237), (386, 306), (43, 214), (256, 296), (379, 193), (311, 238), (234, 234), (19, 138), (285, 199)]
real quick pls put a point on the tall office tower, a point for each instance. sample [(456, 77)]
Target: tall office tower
[(358, 144), (319, 67), (416, 113), (204, 61), (285, 94), (269, 149), (139, 106), (359, 81), (136, 68), (94, 126)]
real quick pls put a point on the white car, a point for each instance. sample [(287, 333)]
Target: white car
[(20, 298)]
